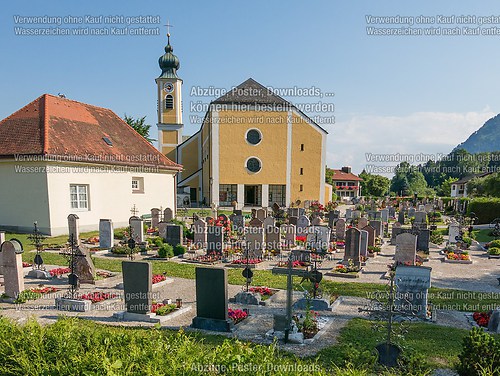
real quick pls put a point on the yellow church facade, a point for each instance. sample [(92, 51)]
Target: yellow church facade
[(253, 147)]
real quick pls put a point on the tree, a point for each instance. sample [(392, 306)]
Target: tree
[(408, 180), (444, 189), (485, 186), (139, 126), (374, 185)]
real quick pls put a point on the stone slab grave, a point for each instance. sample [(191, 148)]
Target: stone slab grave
[(355, 214), (215, 239), (362, 222), (273, 238), (137, 226), (200, 233), (237, 222), (494, 323), (255, 222), (406, 249), (371, 235), (348, 213), (423, 236), (155, 217), (84, 266), (293, 220), (261, 214), (289, 233), (401, 217), (333, 215), (2, 239), (318, 238), (168, 215), (412, 285), (392, 212), (74, 228), (379, 228), (302, 224), (340, 229), (411, 212), (363, 251), (393, 233), (106, 234), (173, 234), (13, 275), (255, 241), (352, 247), (384, 215), (212, 300), (453, 232)]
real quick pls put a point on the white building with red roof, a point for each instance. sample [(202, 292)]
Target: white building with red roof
[(59, 156), (347, 184)]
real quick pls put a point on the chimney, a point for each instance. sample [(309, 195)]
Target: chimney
[(346, 169)]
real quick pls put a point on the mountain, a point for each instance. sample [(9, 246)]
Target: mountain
[(485, 139)]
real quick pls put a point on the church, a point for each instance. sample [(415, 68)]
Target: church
[(253, 147)]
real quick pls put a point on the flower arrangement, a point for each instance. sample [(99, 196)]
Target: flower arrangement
[(44, 290), (59, 271), (245, 261), (210, 257), (98, 296), (162, 309), (482, 318), (93, 240), (464, 256), (316, 206), (26, 264), (152, 230), (237, 315), (340, 244), (157, 278), (295, 264), (300, 239), (266, 291), (307, 324), (373, 249), (349, 268)]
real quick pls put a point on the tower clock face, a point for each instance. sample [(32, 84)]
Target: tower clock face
[(168, 87)]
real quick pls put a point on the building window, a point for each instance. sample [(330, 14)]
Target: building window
[(79, 196), (301, 147), (301, 171), (137, 185), (227, 194), (169, 102), (453, 187), (277, 194), (253, 164), (253, 136), (301, 189)]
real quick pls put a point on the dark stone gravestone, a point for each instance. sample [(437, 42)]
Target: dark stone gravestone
[(401, 217), (412, 284), (137, 286), (352, 247), (174, 234), (215, 239), (211, 300)]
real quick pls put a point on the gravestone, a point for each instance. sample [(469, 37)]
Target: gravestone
[(162, 230), (13, 276), (168, 215), (428, 208), (215, 239), (378, 226), (174, 234), (423, 239), (84, 266), (355, 214), (106, 234), (362, 222), (406, 249), (494, 323), (316, 221), (453, 232), (255, 222), (395, 225), (2, 239), (200, 233), (273, 238), (302, 224), (155, 217), (420, 217), (289, 233), (384, 215), (363, 251), (332, 217), (137, 286), (412, 284), (269, 222), (137, 225), (74, 228), (340, 229), (352, 247), (238, 222), (261, 214), (421, 207), (255, 241), (211, 300), (392, 212), (318, 238), (293, 220), (411, 212), (371, 235), (401, 217), (348, 213)]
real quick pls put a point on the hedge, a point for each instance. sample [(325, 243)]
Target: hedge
[(486, 209)]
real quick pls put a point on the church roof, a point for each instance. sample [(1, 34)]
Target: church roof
[(67, 130), (251, 92)]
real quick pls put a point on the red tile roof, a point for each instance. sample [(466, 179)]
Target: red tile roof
[(69, 130), (339, 175)]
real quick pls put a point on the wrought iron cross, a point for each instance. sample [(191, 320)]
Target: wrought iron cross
[(37, 239), (71, 254)]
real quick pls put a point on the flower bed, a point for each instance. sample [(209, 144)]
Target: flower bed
[(458, 258), (340, 244), (92, 240), (245, 261), (265, 292), (162, 309), (157, 278), (59, 271), (98, 296), (210, 258), (27, 264), (295, 264), (103, 274), (349, 271), (237, 315), (34, 293), (308, 324), (482, 318)]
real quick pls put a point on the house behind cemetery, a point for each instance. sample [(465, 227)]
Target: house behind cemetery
[(459, 187), (347, 184), (253, 146), (59, 156)]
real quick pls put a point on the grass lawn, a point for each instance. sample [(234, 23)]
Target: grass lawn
[(483, 236)]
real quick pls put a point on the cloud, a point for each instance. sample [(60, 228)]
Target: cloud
[(416, 137)]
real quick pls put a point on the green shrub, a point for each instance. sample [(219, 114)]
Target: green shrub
[(124, 250), (158, 242), (166, 251), (179, 249), (120, 233), (494, 244), (480, 354), (486, 209), (467, 240), (437, 238), (186, 232), (494, 251), (166, 309)]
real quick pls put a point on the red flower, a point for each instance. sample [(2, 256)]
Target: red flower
[(97, 296), (157, 278), (237, 315), (262, 290), (481, 318), (59, 271)]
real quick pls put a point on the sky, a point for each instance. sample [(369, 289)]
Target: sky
[(395, 97)]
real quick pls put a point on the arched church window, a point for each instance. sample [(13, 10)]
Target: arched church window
[(169, 102)]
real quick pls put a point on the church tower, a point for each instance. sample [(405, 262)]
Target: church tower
[(169, 87)]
